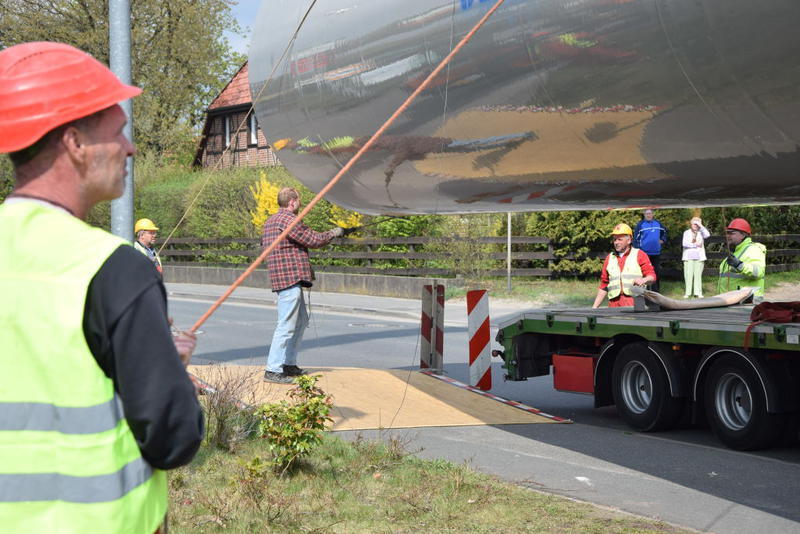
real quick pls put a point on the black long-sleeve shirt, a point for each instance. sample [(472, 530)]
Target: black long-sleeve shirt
[(126, 329)]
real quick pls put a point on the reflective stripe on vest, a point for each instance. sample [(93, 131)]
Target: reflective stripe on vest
[(68, 459), (64, 419), (622, 281), (32, 487)]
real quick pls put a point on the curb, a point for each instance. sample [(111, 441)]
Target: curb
[(513, 404)]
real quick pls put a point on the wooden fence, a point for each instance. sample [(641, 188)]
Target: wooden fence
[(413, 256)]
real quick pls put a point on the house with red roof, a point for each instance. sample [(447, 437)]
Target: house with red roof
[(231, 134)]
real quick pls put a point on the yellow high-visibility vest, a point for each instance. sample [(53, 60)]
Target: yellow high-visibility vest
[(622, 281), (68, 460)]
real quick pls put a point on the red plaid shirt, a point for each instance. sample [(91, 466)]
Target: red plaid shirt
[(288, 263)]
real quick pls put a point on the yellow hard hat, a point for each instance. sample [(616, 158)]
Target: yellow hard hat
[(280, 144), (622, 228), (144, 224)]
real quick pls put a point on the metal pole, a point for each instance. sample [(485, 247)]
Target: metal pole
[(508, 253), (119, 40)]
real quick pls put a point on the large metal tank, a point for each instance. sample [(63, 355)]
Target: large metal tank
[(554, 105)]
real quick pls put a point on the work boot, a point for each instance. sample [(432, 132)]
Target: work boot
[(293, 370), (278, 378)]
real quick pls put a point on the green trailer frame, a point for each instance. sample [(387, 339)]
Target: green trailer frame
[(656, 365)]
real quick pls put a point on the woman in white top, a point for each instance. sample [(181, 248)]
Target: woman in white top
[(694, 258)]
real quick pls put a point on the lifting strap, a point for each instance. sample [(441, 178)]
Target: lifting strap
[(772, 312)]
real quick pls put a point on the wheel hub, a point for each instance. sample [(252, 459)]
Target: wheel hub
[(637, 387), (733, 401)]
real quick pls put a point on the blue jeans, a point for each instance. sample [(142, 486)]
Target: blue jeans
[(292, 321)]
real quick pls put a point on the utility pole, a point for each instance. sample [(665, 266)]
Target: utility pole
[(508, 253), (119, 38)]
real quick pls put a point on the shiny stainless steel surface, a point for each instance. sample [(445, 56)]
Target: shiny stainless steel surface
[(554, 105)]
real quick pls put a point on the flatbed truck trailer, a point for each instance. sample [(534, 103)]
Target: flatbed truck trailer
[(657, 366)]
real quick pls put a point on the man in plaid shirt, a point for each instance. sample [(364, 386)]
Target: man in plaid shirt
[(289, 272)]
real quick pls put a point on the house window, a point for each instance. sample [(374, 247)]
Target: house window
[(253, 129), (227, 131)]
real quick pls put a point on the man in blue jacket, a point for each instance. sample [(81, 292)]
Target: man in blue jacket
[(650, 236)]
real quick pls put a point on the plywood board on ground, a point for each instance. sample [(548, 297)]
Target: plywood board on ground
[(375, 398)]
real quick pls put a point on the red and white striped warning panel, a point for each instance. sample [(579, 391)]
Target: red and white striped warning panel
[(432, 326), (480, 353), (513, 404)]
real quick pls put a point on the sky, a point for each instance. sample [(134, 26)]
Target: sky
[(245, 12)]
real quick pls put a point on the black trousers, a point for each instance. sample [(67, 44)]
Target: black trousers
[(655, 259)]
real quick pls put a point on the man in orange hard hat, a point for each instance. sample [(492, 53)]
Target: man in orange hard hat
[(746, 263), (622, 269), (95, 400)]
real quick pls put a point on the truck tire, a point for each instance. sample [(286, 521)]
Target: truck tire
[(736, 406), (641, 390)]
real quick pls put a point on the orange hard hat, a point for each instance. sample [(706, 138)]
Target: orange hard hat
[(621, 229), (44, 85), (741, 225)]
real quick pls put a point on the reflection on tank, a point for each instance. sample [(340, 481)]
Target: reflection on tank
[(554, 104), (411, 148)]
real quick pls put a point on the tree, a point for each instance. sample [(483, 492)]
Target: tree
[(6, 176), (180, 56)]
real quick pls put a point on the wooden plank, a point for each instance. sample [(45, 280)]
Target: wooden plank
[(209, 241), (375, 270), (227, 252), (522, 272)]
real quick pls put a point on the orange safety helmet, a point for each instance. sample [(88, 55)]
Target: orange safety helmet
[(44, 85), (741, 225), (621, 229)]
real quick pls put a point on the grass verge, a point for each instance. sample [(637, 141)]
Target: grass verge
[(369, 486)]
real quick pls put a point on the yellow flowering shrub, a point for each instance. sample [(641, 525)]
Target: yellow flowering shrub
[(344, 218), (265, 194)]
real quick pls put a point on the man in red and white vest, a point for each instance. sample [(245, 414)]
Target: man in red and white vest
[(624, 268)]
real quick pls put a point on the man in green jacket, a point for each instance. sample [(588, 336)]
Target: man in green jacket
[(746, 265)]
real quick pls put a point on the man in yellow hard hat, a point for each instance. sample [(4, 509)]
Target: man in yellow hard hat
[(622, 269), (94, 395), (145, 231)]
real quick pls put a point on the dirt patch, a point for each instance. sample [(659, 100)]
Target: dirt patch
[(785, 292)]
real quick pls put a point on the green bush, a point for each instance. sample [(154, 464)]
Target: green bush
[(6, 177), (294, 429), (219, 204), (465, 256)]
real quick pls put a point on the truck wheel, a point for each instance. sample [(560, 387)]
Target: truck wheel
[(641, 390), (736, 406)]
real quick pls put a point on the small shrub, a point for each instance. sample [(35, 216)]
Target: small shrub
[(253, 483), (295, 429), (229, 420)]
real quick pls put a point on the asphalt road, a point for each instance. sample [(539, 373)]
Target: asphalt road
[(683, 476)]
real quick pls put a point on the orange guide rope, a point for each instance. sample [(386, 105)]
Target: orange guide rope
[(347, 167)]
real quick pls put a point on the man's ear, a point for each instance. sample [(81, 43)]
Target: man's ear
[(75, 143)]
